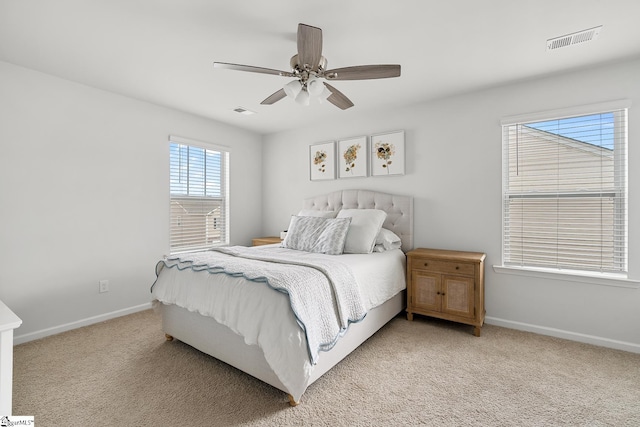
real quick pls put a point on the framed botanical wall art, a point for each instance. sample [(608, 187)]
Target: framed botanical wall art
[(352, 157), (322, 161), (387, 154)]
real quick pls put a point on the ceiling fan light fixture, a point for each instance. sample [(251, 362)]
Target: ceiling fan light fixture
[(293, 88), (303, 98), (315, 86), (326, 93)]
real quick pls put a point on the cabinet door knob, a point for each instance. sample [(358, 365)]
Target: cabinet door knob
[(426, 264), (457, 267)]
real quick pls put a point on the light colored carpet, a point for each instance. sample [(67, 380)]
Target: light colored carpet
[(425, 372)]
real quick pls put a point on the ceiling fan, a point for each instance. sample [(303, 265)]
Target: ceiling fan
[(308, 66)]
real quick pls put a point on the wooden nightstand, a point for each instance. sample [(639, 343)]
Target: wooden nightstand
[(446, 284), (259, 241)]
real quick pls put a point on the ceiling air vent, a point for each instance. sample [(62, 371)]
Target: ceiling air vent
[(244, 111), (575, 38)]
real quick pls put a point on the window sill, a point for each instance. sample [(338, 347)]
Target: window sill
[(603, 279)]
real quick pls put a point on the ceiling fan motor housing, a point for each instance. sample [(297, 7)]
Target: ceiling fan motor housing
[(297, 67)]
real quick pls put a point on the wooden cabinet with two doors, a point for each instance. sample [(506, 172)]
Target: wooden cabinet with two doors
[(447, 285)]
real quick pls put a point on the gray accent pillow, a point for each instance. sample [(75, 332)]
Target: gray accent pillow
[(317, 234), (365, 226)]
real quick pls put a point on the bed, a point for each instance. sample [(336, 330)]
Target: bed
[(283, 353)]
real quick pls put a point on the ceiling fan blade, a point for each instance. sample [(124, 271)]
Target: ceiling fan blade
[(337, 98), (275, 97), (309, 46), (363, 72), (252, 69)]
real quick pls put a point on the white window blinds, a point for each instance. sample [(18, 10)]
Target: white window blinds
[(199, 195), (565, 192)]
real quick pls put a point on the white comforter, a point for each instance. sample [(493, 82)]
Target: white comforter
[(264, 317), (323, 293)]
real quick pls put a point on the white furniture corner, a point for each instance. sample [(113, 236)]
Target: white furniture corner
[(8, 322)]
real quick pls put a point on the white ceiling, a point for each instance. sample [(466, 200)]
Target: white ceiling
[(162, 51)]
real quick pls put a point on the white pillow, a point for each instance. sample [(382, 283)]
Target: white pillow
[(315, 234), (388, 240), (364, 228), (321, 214)]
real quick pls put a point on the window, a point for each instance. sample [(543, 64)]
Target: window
[(199, 195), (565, 191)]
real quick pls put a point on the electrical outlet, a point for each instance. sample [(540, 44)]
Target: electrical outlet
[(104, 286)]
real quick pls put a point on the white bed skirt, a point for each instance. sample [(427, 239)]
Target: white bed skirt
[(217, 340)]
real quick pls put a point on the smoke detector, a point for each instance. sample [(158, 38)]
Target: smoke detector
[(574, 38)]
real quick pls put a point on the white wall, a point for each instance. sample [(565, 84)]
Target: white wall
[(84, 196), (453, 171)]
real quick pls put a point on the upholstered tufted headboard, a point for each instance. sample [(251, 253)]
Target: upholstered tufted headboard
[(399, 209)]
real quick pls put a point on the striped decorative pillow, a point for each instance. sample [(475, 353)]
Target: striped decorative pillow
[(316, 234)]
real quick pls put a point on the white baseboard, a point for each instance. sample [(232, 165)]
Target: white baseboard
[(542, 330), (559, 333), (20, 339)]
